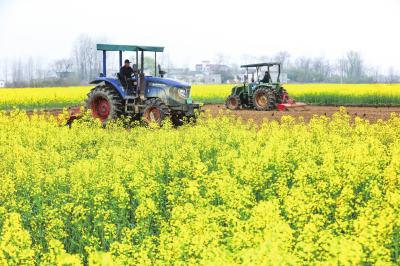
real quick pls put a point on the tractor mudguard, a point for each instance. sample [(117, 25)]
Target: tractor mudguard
[(114, 83), (237, 90)]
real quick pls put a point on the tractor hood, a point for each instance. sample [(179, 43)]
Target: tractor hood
[(168, 82)]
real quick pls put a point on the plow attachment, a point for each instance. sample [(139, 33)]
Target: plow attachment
[(289, 103), (74, 113), (287, 106)]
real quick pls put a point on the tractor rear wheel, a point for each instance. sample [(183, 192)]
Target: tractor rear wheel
[(106, 104), (264, 99), (233, 102), (155, 111)]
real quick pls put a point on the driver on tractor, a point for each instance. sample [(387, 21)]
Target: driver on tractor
[(266, 78), (125, 76)]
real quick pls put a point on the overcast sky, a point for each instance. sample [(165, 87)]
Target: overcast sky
[(193, 31)]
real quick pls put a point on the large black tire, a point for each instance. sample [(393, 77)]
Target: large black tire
[(264, 99), (105, 103), (155, 111), (233, 102)]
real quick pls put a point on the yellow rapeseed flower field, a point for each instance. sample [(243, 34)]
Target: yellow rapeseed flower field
[(222, 192), (346, 94), (338, 94), (41, 98)]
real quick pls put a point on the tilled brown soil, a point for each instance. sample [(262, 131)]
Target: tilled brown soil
[(307, 112)]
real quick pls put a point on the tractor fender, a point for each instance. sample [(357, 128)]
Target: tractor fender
[(264, 86), (114, 83), (237, 90)]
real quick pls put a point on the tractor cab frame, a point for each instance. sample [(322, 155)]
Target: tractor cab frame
[(139, 77), (259, 67), (154, 98), (260, 95)]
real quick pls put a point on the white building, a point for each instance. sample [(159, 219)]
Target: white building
[(2, 83)]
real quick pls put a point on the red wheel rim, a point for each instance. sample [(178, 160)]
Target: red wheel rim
[(285, 97), (233, 103), (153, 114), (101, 108)]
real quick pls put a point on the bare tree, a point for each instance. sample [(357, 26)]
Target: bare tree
[(355, 67), (392, 76), (85, 57), (342, 67), (321, 69), (17, 73), (29, 69), (303, 64), (374, 73), (39, 70), (63, 65), (283, 57), (5, 70)]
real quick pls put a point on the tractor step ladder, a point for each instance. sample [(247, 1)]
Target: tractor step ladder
[(130, 104)]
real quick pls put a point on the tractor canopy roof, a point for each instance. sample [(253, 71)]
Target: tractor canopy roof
[(261, 64), (134, 48)]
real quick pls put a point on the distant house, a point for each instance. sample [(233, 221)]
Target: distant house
[(212, 79), (203, 73), (198, 67), (2, 83), (64, 74), (207, 67)]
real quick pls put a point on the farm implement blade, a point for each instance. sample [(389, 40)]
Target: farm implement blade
[(292, 105), (74, 113), (288, 103)]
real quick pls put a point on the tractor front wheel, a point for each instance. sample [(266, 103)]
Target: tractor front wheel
[(105, 103), (264, 99), (155, 111), (233, 102)]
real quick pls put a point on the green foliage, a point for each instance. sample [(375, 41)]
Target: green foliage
[(222, 192)]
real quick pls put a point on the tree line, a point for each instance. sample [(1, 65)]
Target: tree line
[(79, 68), (84, 64), (348, 69)]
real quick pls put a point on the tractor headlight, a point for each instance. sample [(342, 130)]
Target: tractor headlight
[(182, 93)]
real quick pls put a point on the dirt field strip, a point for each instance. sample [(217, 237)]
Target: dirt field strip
[(370, 113)]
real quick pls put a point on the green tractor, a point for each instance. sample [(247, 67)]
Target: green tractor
[(261, 94)]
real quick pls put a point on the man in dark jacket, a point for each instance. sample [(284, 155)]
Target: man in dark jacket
[(266, 78), (125, 75)]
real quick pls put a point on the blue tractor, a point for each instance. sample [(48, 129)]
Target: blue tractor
[(151, 98)]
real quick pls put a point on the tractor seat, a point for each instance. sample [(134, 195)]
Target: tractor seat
[(120, 79), (130, 85)]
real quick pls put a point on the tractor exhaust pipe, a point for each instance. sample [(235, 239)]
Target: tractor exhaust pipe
[(142, 84)]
